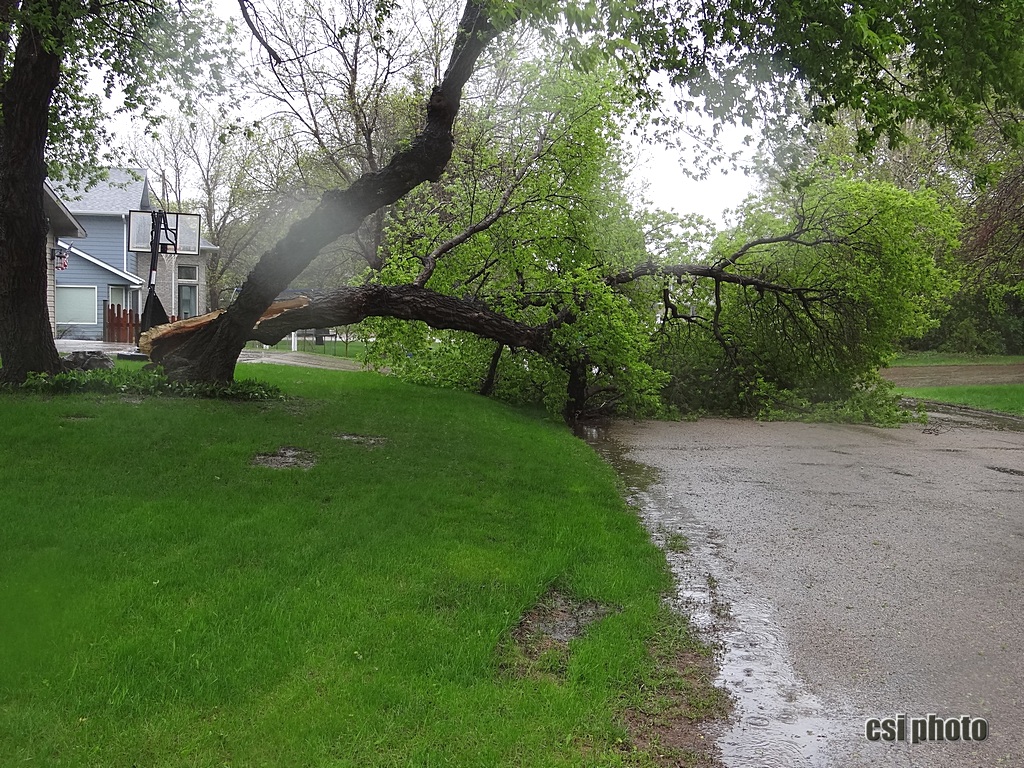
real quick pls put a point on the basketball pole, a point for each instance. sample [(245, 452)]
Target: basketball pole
[(153, 313)]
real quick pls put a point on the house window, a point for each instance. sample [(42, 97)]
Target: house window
[(188, 301), (188, 291), (119, 296), (76, 305)]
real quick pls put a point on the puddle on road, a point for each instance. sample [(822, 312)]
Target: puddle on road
[(775, 722)]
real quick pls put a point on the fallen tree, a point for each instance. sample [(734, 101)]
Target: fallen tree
[(885, 62), (849, 269)]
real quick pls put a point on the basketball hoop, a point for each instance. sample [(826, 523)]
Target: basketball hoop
[(158, 232), (179, 232)]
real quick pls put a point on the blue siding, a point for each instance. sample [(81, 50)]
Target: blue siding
[(106, 238), (83, 273)]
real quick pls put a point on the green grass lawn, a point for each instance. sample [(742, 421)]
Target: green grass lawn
[(949, 358), (164, 602), (1005, 398)]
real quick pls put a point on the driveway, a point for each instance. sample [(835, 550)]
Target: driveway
[(954, 375), (849, 573)]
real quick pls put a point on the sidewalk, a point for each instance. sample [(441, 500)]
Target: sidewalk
[(302, 359), (79, 345)]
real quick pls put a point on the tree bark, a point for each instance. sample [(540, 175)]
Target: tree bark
[(348, 306), (26, 338), (211, 352), (487, 387), (576, 390)]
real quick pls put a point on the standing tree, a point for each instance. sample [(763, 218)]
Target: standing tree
[(31, 51)]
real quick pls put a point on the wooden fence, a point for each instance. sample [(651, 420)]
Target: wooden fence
[(122, 325)]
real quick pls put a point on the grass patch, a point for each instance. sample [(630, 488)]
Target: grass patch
[(911, 359), (166, 602), (1005, 398), (677, 542)]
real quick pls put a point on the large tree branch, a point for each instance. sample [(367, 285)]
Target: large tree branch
[(719, 275), (347, 306), (350, 305)]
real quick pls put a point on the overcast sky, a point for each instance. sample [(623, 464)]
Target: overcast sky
[(661, 178)]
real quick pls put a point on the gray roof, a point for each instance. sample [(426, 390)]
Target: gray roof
[(123, 190)]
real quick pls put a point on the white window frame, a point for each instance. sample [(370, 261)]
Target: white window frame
[(194, 267), (57, 303), (180, 281)]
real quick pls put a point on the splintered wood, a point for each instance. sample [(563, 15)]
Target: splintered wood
[(160, 341)]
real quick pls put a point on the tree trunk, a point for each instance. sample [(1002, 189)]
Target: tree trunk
[(576, 400), (26, 338), (492, 372), (210, 353)]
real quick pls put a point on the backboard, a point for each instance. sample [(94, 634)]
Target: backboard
[(180, 235)]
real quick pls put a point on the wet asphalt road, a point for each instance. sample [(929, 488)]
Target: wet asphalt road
[(891, 565)]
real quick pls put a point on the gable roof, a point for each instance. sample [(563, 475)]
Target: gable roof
[(123, 190), (62, 222), (134, 279)]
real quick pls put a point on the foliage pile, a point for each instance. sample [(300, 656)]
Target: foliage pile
[(866, 257)]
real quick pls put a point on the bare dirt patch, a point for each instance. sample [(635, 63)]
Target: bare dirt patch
[(285, 457), (554, 621), (539, 644), (669, 730), (664, 718), (954, 375)]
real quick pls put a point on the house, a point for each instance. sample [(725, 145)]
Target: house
[(61, 224), (102, 271)]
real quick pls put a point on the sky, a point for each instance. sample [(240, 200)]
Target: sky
[(662, 180)]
